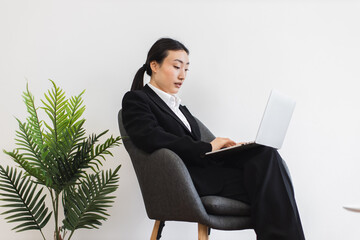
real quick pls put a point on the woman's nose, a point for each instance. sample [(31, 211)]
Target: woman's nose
[(182, 75)]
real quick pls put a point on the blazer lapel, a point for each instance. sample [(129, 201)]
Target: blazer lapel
[(195, 131), (153, 96)]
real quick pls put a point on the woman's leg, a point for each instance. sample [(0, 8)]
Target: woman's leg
[(269, 188)]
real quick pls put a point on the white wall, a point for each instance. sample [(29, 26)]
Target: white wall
[(239, 51)]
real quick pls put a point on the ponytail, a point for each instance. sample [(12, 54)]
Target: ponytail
[(138, 82), (158, 52)]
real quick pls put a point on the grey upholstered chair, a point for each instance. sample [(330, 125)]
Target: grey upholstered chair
[(169, 193)]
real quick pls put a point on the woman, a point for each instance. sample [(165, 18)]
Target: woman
[(154, 119)]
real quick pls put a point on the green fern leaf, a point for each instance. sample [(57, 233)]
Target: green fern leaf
[(55, 108), (33, 119), (98, 152), (26, 142), (21, 195), (86, 206), (73, 168)]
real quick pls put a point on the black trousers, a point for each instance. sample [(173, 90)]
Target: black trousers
[(258, 176)]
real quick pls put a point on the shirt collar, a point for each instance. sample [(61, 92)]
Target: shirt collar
[(172, 101)]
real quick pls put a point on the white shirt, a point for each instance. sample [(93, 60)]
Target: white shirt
[(173, 102)]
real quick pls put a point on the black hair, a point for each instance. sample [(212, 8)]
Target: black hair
[(158, 52)]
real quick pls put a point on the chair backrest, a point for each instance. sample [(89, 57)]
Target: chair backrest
[(206, 135)]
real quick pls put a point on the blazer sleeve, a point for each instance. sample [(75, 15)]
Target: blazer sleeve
[(146, 133)]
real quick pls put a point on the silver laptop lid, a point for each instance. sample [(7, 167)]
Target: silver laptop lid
[(275, 121)]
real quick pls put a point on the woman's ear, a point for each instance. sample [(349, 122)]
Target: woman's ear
[(154, 66)]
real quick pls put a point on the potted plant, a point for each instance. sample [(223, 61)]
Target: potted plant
[(58, 157)]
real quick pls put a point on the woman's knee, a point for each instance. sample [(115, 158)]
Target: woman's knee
[(269, 155)]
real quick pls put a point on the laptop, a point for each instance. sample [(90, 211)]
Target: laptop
[(273, 126)]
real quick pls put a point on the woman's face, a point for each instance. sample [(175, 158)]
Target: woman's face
[(170, 75)]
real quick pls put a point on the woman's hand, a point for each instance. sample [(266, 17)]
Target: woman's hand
[(220, 142)]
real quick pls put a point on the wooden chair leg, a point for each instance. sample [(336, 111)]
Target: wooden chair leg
[(158, 227), (155, 230), (203, 232)]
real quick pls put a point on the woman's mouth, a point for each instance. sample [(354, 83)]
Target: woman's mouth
[(178, 85)]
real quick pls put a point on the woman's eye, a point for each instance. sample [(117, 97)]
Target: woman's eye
[(176, 67), (186, 70)]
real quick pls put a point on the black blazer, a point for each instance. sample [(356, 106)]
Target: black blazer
[(152, 125)]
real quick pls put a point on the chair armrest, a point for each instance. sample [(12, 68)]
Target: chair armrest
[(166, 186)]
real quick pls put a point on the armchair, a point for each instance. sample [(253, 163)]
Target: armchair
[(169, 193)]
